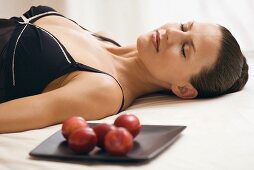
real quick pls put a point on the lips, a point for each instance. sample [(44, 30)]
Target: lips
[(156, 40)]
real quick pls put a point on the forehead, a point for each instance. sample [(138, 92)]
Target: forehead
[(207, 38)]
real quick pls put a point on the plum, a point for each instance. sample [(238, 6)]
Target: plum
[(118, 142), (71, 124), (130, 122), (82, 140)]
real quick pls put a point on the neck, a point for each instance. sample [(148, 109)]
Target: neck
[(131, 72)]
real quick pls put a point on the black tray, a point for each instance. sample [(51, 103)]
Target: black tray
[(151, 140)]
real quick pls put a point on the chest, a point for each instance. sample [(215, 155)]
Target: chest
[(82, 46)]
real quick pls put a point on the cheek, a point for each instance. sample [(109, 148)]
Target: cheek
[(171, 57), (174, 64), (161, 67)]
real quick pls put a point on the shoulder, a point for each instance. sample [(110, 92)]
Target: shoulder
[(97, 82), (37, 10), (102, 86), (98, 94), (104, 34), (109, 39)]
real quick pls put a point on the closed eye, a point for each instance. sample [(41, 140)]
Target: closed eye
[(183, 44), (183, 51), (182, 27)]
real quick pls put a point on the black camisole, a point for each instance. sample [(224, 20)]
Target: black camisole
[(31, 57)]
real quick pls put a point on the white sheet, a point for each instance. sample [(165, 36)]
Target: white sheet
[(219, 135)]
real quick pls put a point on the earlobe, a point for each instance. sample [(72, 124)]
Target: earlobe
[(185, 92)]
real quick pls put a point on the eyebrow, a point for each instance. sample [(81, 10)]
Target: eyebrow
[(192, 44)]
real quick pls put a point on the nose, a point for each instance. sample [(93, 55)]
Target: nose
[(175, 35)]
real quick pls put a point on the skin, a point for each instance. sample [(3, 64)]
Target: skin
[(168, 68), (139, 68)]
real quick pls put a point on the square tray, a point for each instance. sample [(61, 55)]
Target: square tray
[(151, 141)]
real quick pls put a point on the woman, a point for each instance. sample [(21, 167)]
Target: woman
[(51, 68)]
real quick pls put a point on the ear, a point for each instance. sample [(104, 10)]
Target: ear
[(185, 92)]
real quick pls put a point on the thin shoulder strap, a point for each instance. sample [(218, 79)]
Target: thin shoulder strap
[(106, 39), (88, 68), (96, 35), (35, 13)]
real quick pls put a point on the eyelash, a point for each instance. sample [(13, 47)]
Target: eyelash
[(182, 47)]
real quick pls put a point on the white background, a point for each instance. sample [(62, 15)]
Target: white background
[(126, 19), (219, 133)]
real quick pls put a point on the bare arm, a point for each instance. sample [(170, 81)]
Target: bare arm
[(91, 99)]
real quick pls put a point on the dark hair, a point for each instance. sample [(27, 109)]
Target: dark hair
[(229, 73)]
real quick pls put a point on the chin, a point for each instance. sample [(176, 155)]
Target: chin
[(143, 44)]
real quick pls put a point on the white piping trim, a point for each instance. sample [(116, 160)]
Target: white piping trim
[(45, 13), (13, 56), (56, 42), (27, 20)]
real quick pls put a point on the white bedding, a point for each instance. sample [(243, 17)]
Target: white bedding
[(219, 135)]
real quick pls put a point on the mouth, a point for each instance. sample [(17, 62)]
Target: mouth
[(156, 40)]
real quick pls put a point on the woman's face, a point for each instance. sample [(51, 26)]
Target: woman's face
[(175, 52)]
